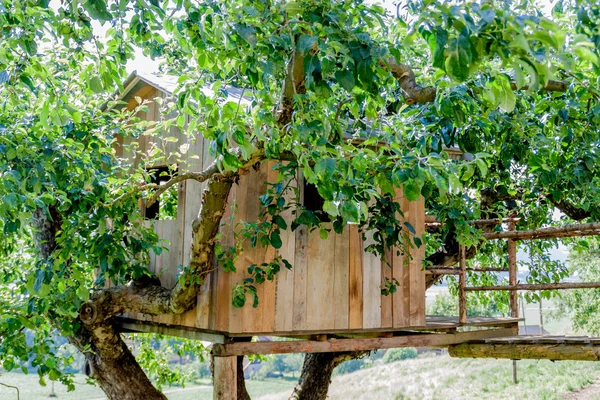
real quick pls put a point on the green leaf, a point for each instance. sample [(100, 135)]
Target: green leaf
[(346, 79), (280, 222), (276, 239), (97, 10), (96, 85), (323, 234), (410, 228), (460, 57), (412, 191), (248, 33), (482, 165), (305, 43), (325, 168)]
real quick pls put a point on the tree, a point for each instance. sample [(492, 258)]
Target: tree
[(510, 85)]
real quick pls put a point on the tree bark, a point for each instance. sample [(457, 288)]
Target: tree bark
[(109, 361), (242, 393), (316, 374)]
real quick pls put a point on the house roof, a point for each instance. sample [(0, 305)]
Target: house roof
[(168, 84)]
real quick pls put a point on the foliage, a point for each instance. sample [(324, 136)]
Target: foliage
[(278, 365), (403, 353), (582, 306), (447, 304), (527, 150)]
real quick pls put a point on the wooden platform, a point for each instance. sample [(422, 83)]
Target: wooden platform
[(581, 348), (433, 324)]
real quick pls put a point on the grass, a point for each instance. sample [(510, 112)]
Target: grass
[(30, 389), (443, 377)]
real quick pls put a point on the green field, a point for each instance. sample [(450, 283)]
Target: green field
[(30, 389), (428, 377), (442, 377)]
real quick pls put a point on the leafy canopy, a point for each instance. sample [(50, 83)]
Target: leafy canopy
[(488, 60)]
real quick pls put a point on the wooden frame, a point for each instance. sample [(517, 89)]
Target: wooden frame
[(358, 344)]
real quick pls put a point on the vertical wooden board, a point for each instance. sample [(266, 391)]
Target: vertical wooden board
[(225, 378), (236, 315), (300, 269), (341, 295), (255, 186), (202, 310), (212, 310), (300, 279), (400, 311), (386, 301), (400, 299), (417, 274), (284, 296), (320, 283), (270, 287), (355, 301), (371, 286)]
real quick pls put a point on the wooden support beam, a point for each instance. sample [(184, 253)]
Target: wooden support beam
[(456, 271), (313, 346), (512, 274), (590, 229), (516, 351), (225, 378), (128, 325), (538, 286), (462, 284), (430, 220)]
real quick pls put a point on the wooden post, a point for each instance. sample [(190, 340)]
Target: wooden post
[(462, 284), (512, 273), (225, 378), (514, 364)]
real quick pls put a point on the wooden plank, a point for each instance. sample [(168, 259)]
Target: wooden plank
[(225, 378), (132, 325), (236, 315), (417, 273), (362, 344), (300, 271), (269, 253), (386, 301), (401, 270), (355, 300), (284, 300), (320, 282), (341, 279), (462, 284), (516, 351), (371, 286)]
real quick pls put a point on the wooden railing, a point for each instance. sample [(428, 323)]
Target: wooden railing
[(512, 235)]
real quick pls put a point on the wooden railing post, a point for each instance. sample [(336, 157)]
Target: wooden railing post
[(512, 273), (225, 378), (462, 285)]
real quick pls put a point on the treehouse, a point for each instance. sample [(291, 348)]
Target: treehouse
[(331, 298), (334, 285)]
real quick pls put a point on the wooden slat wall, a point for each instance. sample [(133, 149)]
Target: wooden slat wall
[(334, 284)]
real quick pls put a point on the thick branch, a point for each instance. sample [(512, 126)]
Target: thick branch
[(414, 93), (293, 84), (570, 210)]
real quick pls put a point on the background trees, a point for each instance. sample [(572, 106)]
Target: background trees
[(508, 83)]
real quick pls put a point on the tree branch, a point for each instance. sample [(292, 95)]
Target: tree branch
[(414, 93), (293, 84)]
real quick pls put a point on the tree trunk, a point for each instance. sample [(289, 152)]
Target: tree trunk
[(316, 374), (242, 393), (110, 362)]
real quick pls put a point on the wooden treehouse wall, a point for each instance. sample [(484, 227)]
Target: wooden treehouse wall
[(334, 285)]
